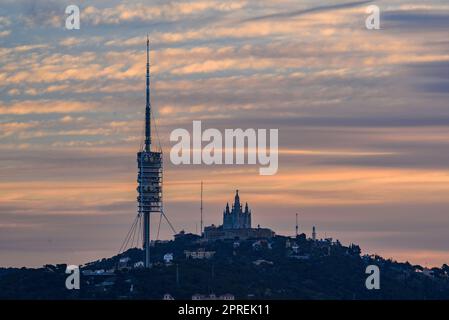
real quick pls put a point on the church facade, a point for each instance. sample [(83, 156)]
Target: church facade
[(236, 225), (236, 218)]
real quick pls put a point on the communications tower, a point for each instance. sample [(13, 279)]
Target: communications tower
[(149, 178)]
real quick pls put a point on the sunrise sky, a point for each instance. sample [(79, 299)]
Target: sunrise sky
[(362, 115)]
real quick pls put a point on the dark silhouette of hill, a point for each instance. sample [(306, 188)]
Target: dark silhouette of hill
[(281, 268)]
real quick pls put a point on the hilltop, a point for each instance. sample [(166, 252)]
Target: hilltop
[(281, 268)]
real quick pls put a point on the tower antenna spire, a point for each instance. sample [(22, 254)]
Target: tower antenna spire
[(297, 227), (201, 209), (148, 103)]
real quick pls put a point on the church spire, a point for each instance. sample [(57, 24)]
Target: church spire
[(148, 103)]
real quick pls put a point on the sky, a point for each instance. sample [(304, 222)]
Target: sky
[(363, 120)]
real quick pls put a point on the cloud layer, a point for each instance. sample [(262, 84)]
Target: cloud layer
[(362, 117)]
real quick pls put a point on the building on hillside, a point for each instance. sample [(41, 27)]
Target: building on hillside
[(236, 225), (212, 296), (259, 262), (236, 218), (168, 296), (199, 254), (168, 258), (186, 236), (123, 263)]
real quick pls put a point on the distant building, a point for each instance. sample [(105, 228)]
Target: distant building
[(212, 296), (106, 283), (100, 272), (123, 263), (295, 247), (262, 261), (183, 236), (428, 272), (168, 296), (227, 296), (236, 225), (199, 254), (261, 244), (213, 232), (300, 257), (168, 258), (237, 218)]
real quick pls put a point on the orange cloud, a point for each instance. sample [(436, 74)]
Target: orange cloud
[(45, 107)]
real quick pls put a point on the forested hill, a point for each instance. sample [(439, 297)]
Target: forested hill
[(280, 268)]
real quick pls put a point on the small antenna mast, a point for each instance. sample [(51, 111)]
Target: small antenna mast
[(201, 209), (297, 228)]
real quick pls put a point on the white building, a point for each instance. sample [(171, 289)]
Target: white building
[(168, 258), (262, 261), (212, 296), (123, 263), (295, 247), (168, 296), (199, 254)]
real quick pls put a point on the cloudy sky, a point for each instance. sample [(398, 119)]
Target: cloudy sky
[(362, 115)]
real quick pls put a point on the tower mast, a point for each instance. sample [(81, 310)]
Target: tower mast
[(297, 228), (148, 103), (146, 214), (150, 164), (201, 209)]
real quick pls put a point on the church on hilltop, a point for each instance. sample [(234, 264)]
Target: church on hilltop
[(236, 224), (236, 218)]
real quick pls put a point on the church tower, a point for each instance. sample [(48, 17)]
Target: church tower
[(236, 218)]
